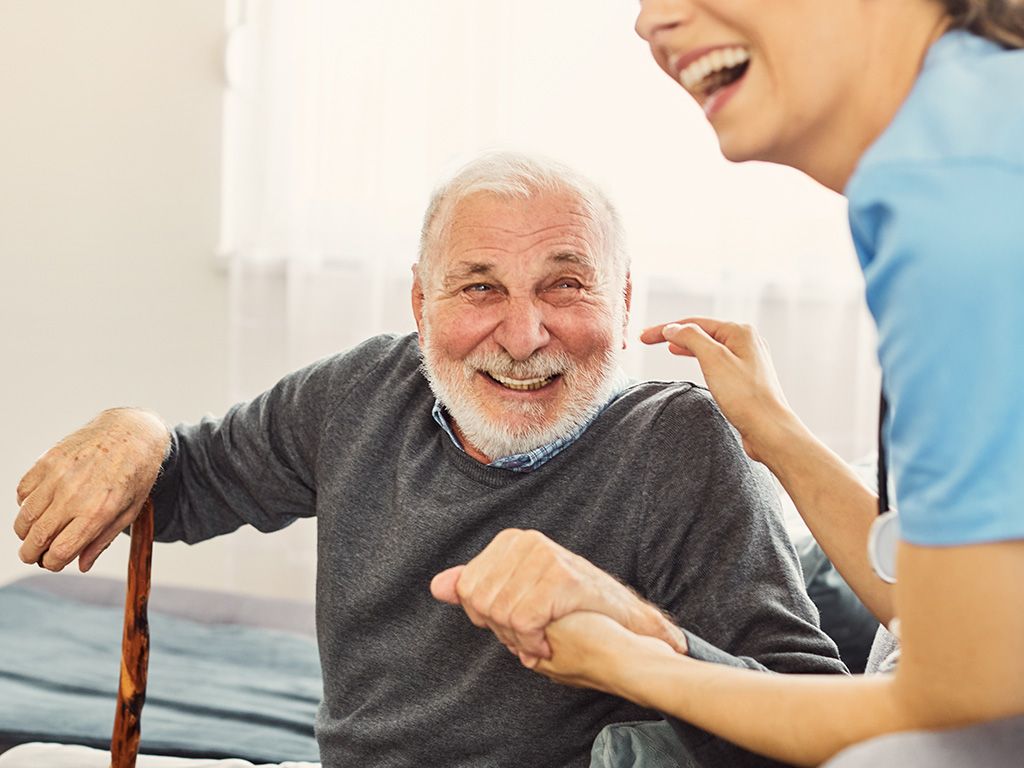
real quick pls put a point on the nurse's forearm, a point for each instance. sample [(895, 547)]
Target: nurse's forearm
[(836, 506), (961, 663), (798, 719)]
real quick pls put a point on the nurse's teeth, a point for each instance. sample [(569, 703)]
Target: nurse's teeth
[(713, 61)]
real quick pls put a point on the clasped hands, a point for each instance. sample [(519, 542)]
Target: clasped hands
[(560, 614)]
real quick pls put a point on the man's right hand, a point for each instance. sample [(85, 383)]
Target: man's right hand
[(523, 581), (88, 488)]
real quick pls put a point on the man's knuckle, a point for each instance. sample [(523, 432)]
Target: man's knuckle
[(479, 604), (40, 534), (524, 619), (500, 610), (29, 511), (64, 551), (508, 535), (505, 638), (464, 588), (53, 459), (109, 508), (535, 538)]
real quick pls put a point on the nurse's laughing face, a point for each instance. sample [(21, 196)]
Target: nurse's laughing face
[(774, 77)]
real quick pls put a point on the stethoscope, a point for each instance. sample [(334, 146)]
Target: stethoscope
[(884, 535)]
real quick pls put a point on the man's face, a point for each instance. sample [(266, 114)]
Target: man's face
[(521, 321)]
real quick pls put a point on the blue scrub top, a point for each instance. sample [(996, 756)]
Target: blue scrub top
[(937, 215)]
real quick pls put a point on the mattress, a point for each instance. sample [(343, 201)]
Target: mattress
[(230, 675)]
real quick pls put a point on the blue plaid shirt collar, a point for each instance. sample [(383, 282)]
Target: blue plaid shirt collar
[(531, 460)]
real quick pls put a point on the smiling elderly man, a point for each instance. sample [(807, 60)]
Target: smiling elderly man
[(505, 418)]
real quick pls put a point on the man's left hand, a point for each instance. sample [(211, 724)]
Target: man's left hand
[(523, 581)]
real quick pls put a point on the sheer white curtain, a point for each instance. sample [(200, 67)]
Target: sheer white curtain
[(342, 115)]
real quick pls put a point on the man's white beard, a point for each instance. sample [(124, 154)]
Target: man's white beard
[(588, 388)]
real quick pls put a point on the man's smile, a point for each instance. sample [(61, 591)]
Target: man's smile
[(521, 385)]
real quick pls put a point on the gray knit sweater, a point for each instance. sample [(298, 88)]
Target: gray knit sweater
[(657, 491)]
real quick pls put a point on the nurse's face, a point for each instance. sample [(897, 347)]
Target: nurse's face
[(776, 78)]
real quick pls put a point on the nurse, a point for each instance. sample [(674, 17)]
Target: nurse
[(913, 109)]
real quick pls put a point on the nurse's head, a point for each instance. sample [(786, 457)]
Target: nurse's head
[(808, 83)]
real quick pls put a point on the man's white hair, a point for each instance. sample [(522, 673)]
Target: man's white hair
[(519, 176)]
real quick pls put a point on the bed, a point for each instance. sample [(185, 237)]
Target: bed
[(230, 675)]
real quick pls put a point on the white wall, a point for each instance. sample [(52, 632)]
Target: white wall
[(110, 158), (109, 208)]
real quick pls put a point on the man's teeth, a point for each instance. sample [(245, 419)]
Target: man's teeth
[(522, 385), (714, 61)]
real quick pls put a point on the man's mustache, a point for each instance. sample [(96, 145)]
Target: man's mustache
[(538, 366)]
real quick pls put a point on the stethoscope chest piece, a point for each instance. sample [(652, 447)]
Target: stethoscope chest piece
[(883, 541)]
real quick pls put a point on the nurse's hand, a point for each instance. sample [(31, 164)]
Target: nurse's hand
[(590, 650), (738, 369)]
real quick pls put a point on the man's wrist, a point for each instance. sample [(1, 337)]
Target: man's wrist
[(144, 426)]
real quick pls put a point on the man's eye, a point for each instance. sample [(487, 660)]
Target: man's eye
[(563, 292), (480, 293)]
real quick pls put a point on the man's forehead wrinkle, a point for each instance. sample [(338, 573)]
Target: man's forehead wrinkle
[(575, 258), (483, 234), (570, 249), (462, 264), (473, 228)]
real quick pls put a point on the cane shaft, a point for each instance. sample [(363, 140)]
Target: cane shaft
[(131, 693)]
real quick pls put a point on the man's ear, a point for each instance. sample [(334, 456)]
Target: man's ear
[(628, 298), (417, 301)]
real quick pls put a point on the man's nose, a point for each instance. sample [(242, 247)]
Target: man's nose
[(522, 331), (661, 15)]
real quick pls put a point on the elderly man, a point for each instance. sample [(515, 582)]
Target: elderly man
[(506, 411)]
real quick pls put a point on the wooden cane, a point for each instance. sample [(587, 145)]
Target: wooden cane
[(131, 693)]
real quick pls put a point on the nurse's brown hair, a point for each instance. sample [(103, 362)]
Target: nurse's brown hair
[(1001, 21)]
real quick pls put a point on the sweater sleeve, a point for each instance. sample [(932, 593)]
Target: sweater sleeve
[(727, 571), (256, 465)]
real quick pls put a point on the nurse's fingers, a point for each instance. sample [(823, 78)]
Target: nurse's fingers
[(655, 333)]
